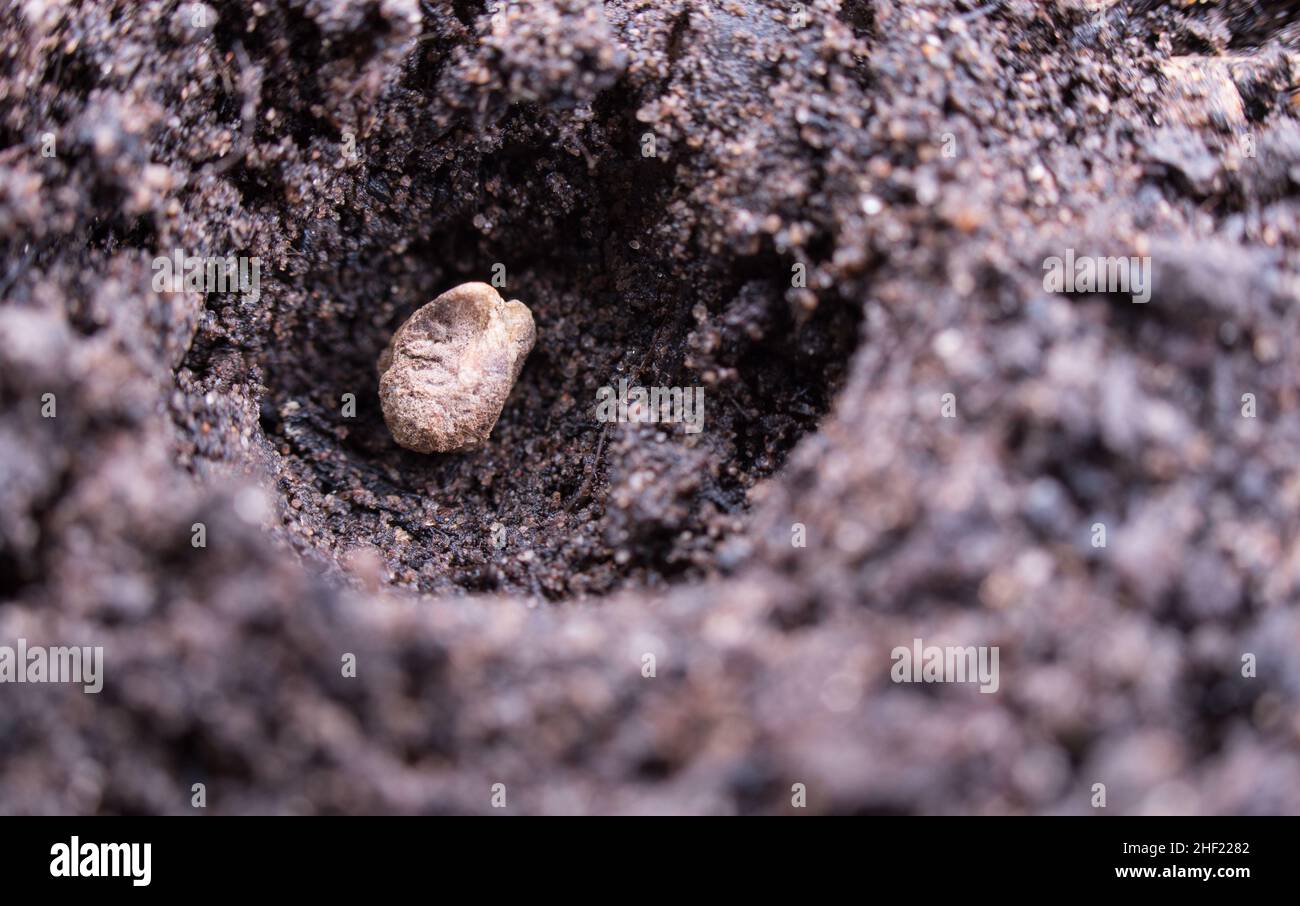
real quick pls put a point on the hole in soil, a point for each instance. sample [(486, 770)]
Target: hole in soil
[(557, 504)]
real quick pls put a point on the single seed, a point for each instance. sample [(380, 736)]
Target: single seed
[(446, 373)]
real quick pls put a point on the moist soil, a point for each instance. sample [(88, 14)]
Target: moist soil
[(833, 219)]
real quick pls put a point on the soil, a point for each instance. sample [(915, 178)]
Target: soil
[(830, 218)]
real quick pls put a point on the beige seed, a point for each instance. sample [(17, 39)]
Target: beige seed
[(446, 373)]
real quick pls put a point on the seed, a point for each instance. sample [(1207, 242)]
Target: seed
[(446, 373)]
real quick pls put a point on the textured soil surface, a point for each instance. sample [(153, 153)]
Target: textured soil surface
[(830, 218)]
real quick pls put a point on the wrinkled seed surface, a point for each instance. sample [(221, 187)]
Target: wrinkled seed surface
[(446, 373)]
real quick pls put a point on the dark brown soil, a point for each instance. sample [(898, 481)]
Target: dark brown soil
[(919, 160)]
